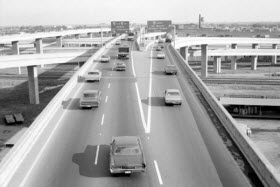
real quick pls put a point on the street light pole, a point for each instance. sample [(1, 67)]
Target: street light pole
[(101, 35), (174, 34)]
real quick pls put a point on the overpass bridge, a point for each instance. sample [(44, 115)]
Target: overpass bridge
[(67, 146)]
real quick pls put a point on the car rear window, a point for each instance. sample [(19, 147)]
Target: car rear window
[(93, 73), (90, 95), (122, 150), (172, 93)]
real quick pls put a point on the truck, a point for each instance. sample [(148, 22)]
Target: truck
[(123, 52), (130, 36)]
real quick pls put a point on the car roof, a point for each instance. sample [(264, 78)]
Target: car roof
[(170, 65), (91, 91), (172, 90), (126, 140)]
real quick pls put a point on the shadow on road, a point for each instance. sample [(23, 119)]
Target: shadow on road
[(71, 104), (86, 161), (155, 101)]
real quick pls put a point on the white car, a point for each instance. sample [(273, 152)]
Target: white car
[(172, 97), (93, 75), (105, 58), (118, 42), (90, 98), (161, 55)]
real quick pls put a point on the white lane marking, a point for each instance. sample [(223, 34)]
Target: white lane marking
[(96, 156), (158, 173), (132, 62), (102, 121), (106, 99), (141, 109), (150, 93), (109, 85)]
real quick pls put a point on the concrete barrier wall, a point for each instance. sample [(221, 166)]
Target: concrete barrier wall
[(266, 172), (19, 167)]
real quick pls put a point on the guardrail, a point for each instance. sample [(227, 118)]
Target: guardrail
[(264, 169), (39, 132)]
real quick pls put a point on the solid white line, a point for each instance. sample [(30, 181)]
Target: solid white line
[(96, 155), (141, 109), (132, 62), (158, 173), (109, 85), (106, 99), (102, 121), (150, 93)]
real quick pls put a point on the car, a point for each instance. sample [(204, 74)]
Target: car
[(172, 97), (93, 75), (90, 98), (105, 58), (160, 41), (161, 55), (118, 42), (126, 155), (158, 48), (161, 46), (170, 69), (120, 66)]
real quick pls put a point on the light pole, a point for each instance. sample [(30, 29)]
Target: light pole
[(174, 34)]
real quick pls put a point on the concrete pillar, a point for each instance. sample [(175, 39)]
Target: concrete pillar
[(184, 52), (33, 84), (233, 62), (255, 46), (77, 36), (59, 41), (39, 47), (254, 61), (204, 60), (217, 64), (234, 46), (274, 58), (15, 49), (89, 35)]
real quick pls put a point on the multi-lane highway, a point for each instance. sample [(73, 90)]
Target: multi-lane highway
[(132, 104)]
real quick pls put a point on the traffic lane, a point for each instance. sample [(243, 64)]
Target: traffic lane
[(229, 173), (183, 160)]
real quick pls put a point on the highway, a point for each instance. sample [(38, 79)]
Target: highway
[(132, 104)]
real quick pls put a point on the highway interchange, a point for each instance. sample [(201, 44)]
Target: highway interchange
[(132, 104)]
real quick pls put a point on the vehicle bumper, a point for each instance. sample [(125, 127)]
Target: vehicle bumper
[(126, 171), (173, 102)]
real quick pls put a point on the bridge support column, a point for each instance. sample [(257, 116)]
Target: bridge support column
[(89, 35), (59, 41), (204, 60), (233, 63), (15, 49), (77, 36), (217, 64), (33, 84), (184, 52), (274, 58), (39, 47), (254, 62)]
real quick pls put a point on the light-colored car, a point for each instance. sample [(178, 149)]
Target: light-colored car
[(90, 98), (158, 48), (172, 97), (105, 58), (93, 75), (126, 155), (161, 55), (160, 40), (118, 42), (170, 69), (120, 66)]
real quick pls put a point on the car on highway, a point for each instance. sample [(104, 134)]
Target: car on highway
[(118, 42), (172, 97), (161, 55), (170, 69), (105, 58), (126, 155), (158, 48), (160, 40), (90, 98), (120, 66), (93, 75)]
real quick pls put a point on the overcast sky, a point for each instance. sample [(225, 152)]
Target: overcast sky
[(53, 12)]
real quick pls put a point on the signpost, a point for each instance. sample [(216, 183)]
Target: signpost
[(119, 27), (159, 26)]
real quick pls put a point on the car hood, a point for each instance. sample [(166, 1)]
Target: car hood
[(128, 160)]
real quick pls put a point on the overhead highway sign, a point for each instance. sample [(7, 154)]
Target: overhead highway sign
[(159, 26), (119, 27)]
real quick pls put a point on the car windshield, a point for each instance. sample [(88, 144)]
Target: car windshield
[(173, 93), (124, 150), (104, 56), (93, 73), (90, 94)]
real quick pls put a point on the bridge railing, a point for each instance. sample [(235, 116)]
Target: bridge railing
[(264, 169), (22, 155)]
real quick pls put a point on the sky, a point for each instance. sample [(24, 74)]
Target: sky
[(67, 12)]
